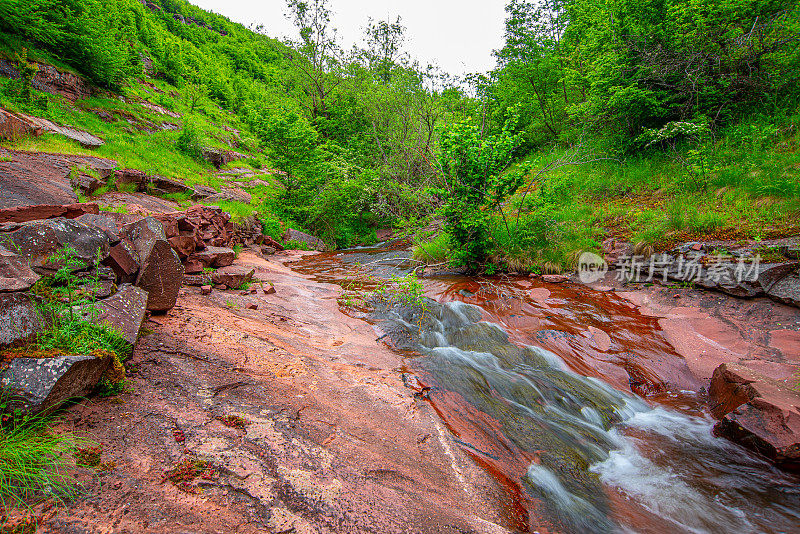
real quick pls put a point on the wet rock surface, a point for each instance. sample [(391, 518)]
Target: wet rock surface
[(758, 412), (311, 457)]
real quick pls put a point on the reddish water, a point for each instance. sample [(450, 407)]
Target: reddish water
[(650, 471)]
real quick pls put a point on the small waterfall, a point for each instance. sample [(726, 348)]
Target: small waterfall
[(599, 460)]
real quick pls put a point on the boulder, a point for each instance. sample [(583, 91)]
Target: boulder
[(202, 191), (144, 234), (233, 276), (124, 311), (184, 245), (37, 241), (103, 222), (38, 384), (269, 242), (13, 126), (215, 256), (314, 243), (758, 412), (196, 279), (20, 317), (782, 283), (218, 157), (37, 125), (15, 274), (169, 223), (192, 266), (87, 183), (169, 185), (124, 260), (161, 275)]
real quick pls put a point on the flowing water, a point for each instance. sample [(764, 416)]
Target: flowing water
[(575, 403)]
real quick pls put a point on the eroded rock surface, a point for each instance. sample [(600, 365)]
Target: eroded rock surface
[(37, 241), (22, 214), (332, 441), (161, 275), (39, 178), (15, 273), (37, 384), (20, 317), (124, 311)]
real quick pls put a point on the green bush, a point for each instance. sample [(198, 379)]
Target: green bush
[(190, 140), (271, 226)]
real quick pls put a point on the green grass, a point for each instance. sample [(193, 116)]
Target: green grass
[(36, 462), (294, 244), (154, 152), (73, 335), (749, 189), (431, 250)]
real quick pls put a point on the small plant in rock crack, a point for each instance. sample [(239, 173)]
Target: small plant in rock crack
[(185, 472), (405, 290), (70, 316), (244, 286), (23, 525), (234, 421)]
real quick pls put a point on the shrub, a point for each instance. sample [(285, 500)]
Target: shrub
[(271, 226), (190, 141)]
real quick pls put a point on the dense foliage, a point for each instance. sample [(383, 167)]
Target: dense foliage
[(595, 108)]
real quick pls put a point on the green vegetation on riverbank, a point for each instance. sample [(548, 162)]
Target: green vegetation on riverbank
[(649, 122)]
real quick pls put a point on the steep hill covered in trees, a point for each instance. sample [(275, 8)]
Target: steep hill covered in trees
[(651, 122)]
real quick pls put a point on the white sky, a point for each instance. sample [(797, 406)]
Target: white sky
[(457, 36)]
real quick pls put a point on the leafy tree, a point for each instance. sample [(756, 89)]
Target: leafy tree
[(384, 41), (475, 168), (318, 51)]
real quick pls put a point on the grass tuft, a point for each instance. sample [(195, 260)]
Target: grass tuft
[(36, 462)]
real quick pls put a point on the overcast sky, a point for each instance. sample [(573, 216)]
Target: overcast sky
[(456, 35)]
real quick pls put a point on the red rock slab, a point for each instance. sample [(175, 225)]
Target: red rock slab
[(161, 275), (22, 214), (334, 443), (788, 342), (757, 412)]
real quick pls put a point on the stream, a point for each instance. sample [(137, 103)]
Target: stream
[(573, 401)]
